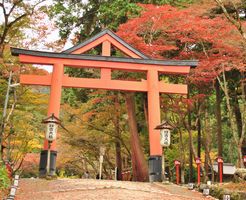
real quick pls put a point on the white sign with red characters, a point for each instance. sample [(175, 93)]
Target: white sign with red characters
[(51, 131), (165, 137)]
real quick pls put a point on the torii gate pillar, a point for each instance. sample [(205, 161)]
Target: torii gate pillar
[(155, 163), (53, 108), (154, 112)]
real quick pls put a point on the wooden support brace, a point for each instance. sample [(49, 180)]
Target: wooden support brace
[(105, 83)]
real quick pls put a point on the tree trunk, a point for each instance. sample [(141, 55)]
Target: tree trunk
[(117, 139), (192, 153), (183, 164), (242, 140), (206, 166), (139, 165), (190, 144), (146, 111), (192, 148), (231, 119), (118, 158), (218, 118), (182, 175), (207, 142), (1, 52), (237, 114), (199, 135)]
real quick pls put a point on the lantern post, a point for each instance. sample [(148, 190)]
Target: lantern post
[(51, 134), (165, 140)]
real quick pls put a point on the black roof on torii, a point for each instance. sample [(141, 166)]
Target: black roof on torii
[(192, 63), (67, 54)]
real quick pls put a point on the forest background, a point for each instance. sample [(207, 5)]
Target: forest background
[(209, 122)]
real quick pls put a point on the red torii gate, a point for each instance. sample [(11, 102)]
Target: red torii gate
[(136, 61)]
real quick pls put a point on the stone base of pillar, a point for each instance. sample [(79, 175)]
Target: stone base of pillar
[(155, 169), (43, 163)]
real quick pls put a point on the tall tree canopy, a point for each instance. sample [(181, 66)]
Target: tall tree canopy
[(195, 33)]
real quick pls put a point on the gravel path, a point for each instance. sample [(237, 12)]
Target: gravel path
[(90, 189)]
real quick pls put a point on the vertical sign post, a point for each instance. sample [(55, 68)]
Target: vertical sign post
[(177, 165), (220, 168), (198, 162)]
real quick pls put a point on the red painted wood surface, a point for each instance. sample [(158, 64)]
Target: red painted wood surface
[(103, 83), (131, 67), (55, 97), (177, 174)]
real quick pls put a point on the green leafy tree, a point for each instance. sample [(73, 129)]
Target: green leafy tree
[(4, 181), (94, 124)]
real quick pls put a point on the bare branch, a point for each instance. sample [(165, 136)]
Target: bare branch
[(19, 165), (13, 7), (16, 20)]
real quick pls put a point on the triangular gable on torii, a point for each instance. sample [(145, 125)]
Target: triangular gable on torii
[(102, 37)]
